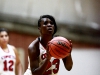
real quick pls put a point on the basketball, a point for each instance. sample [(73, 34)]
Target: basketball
[(59, 47)]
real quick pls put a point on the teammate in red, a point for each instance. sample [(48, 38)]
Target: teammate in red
[(9, 58), (40, 61)]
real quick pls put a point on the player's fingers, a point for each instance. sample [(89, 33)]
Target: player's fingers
[(71, 44)]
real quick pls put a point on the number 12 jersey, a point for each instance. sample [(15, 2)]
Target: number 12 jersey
[(7, 61)]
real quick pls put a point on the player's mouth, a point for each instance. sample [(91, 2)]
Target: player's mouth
[(50, 29)]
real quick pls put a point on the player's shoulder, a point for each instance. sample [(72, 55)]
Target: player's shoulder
[(11, 46), (33, 44)]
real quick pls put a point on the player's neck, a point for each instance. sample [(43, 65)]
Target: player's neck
[(3, 46), (44, 40)]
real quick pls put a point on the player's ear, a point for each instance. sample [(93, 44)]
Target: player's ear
[(39, 28)]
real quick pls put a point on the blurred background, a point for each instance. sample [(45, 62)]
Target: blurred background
[(78, 20)]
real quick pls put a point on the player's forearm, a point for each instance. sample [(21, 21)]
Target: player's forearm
[(40, 70), (68, 62), (19, 69)]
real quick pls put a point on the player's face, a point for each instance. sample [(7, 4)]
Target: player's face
[(4, 38), (47, 26)]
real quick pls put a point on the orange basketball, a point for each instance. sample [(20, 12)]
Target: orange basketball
[(59, 47)]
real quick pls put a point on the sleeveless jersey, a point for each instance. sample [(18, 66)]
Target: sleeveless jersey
[(7, 61), (53, 66)]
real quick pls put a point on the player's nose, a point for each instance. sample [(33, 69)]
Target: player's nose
[(49, 25)]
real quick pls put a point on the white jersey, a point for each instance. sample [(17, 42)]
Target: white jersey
[(53, 65), (7, 61)]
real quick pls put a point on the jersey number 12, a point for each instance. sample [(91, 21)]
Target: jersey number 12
[(6, 67)]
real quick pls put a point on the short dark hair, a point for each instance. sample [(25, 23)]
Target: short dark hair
[(51, 18), (3, 29)]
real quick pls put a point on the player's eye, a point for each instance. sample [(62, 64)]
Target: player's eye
[(45, 23), (1, 36), (51, 23)]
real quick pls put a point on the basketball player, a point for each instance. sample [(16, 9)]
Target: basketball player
[(9, 60), (40, 61)]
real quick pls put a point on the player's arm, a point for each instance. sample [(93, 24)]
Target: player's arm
[(19, 68), (68, 62), (34, 52)]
